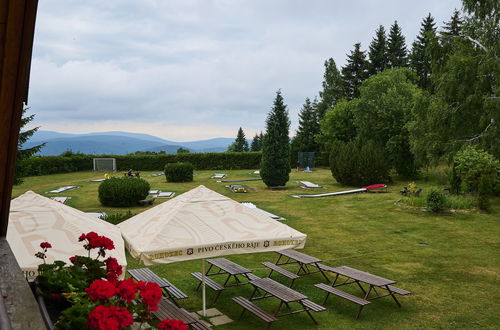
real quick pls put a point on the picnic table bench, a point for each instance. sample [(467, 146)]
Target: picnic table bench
[(303, 260), (147, 275), (167, 310), (358, 277), (145, 202), (278, 269), (223, 266), (286, 296)]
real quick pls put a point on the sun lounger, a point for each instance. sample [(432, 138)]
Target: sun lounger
[(269, 214), (100, 215), (60, 199), (61, 189), (256, 172), (154, 192), (157, 174), (237, 188), (307, 184), (97, 180), (218, 176), (165, 194)]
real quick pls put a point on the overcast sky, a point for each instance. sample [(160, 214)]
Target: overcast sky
[(186, 69)]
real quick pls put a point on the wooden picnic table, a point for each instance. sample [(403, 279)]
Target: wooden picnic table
[(285, 295), (303, 260), (147, 275), (359, 277), (229, 268)]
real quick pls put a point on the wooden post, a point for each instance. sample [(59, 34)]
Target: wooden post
[(17, 25)]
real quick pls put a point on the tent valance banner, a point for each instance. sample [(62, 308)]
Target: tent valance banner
[(34, 219), (204, 224)]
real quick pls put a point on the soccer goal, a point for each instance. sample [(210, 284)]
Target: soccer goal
[(105, 164)]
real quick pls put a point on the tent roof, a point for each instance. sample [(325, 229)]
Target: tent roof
[(34, 219), (202, 223)]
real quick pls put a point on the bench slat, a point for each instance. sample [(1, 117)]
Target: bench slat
[(342, 294), (398, 290), (252, 276), (313, 306), (211, 283), (280, 270), (256, 310), (198, 326), (174, 291), (325, 267)]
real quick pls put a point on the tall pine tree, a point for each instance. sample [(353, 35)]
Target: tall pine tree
[(333, 89), (256, 143), (396, 48), (354, 72), (23, 154), (420, 57), (452, 28), (240, 144), (275, 165), (305, 139), (377, 52)]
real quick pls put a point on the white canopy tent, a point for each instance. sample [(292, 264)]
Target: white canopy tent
[(34, 219), (204, 224)]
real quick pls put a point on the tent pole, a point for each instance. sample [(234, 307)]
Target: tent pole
[(203, 287)]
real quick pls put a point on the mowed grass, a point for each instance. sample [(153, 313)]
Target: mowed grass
[(454, 279)]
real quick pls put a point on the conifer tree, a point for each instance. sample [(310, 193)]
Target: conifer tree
[(256, 143), (305, 139), (333, 89), (23, 154), (420, 57), (377, 52), (240, 144), (396, 48), (452, 28), (275, 164), (354, 72)]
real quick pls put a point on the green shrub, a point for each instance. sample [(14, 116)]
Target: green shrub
[(43, 165), (122, 191), (471, 165), (436, 200), (179, 172), (485, 188), (359, 163), (116, 218)]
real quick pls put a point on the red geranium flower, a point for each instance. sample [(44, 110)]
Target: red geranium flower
[(127, 289), (109, 318), (150, 293), (106, 243), (45, 245), (100, 289), (172, 325), (72, 259)]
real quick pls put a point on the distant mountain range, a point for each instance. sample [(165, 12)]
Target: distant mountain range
[(118, 143)]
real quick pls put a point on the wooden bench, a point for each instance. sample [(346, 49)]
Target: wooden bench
[(256, 310), (167, 310), (211, 283), (331, 290), (325, 268), (252, 276), (174, 291), (198, 326), (145, 202), (313, 306), (398, 290), (284, 272), (147, 275)]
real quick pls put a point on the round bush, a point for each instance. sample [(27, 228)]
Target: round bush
[(179, 172), (122, 191), (472, 165), (359, 163), (436, 200)]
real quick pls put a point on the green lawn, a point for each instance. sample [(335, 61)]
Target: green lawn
[(454, 279)]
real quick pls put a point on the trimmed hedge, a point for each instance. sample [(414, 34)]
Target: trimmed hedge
[(436, 200), (123, 191), (179, 172), (43, 165)]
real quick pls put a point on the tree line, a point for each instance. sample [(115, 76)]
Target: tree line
[(416, 106)]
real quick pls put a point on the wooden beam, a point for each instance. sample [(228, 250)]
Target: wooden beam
[(17, 26)]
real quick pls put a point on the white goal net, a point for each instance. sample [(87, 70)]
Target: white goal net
[(105, 164)]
